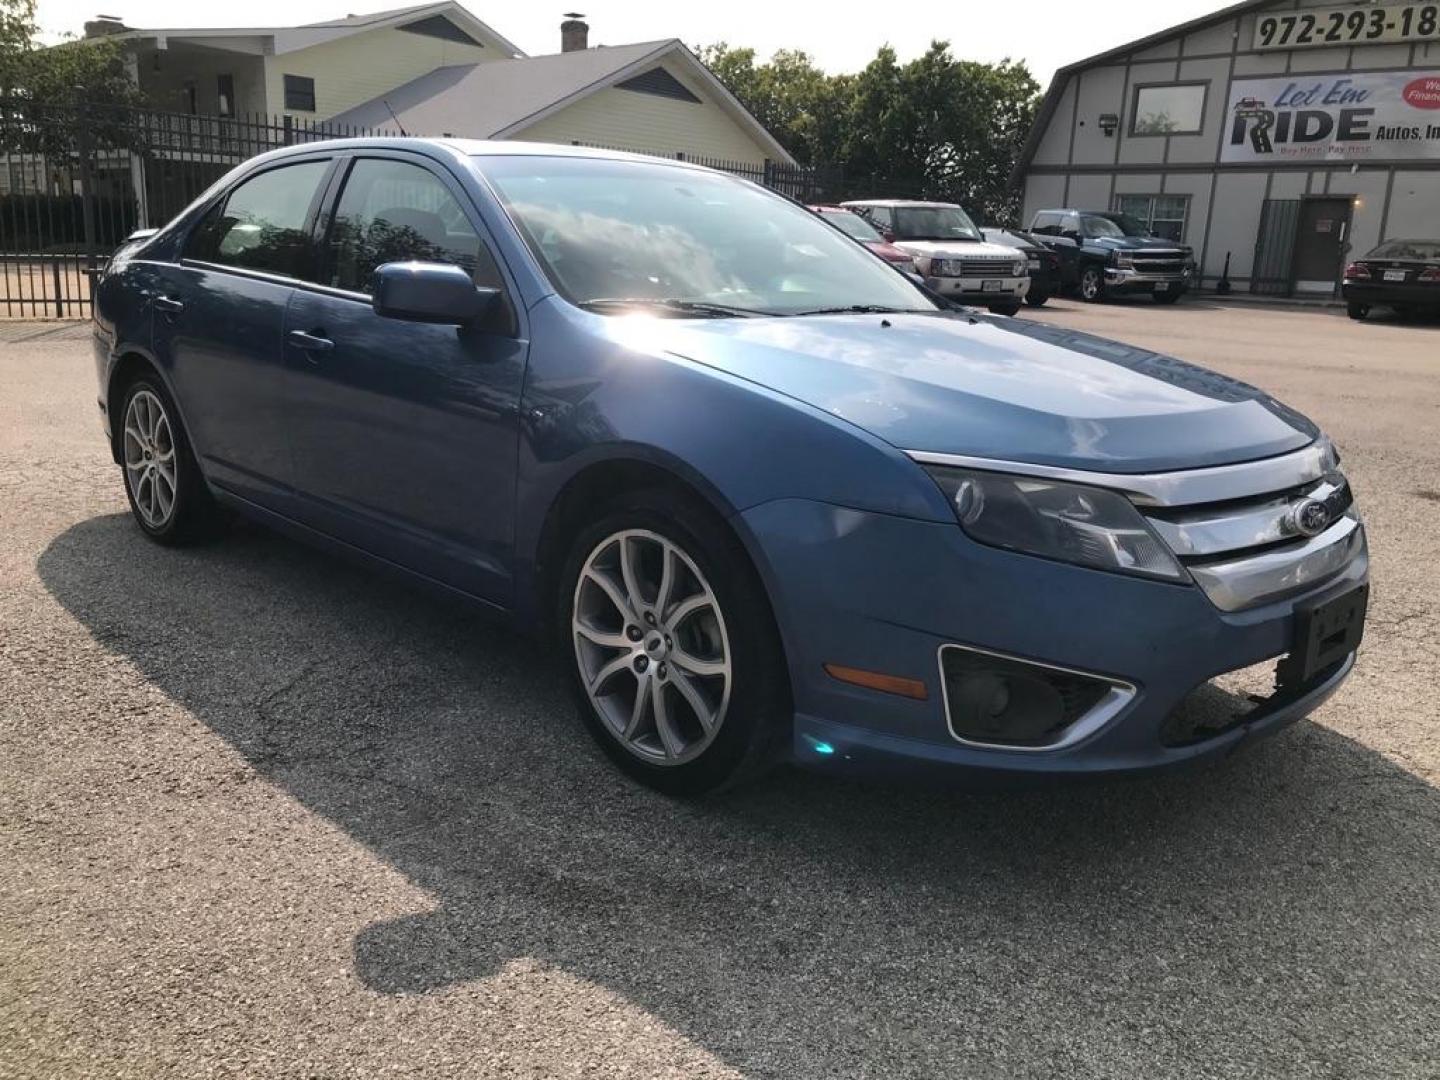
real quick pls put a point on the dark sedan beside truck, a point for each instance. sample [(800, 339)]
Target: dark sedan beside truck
[(1399, 274)]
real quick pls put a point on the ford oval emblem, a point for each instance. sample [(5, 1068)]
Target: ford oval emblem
[(1309, 517)]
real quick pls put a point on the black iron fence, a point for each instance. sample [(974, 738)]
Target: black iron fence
[(75, 181)]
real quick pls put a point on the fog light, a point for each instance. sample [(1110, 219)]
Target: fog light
[(1001, 701), (993, 707)]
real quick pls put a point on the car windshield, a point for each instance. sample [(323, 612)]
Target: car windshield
[(1113, 225), (934, 223), (852, 225), (615, 235), (1419, 250)]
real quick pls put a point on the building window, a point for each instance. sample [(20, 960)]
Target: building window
[(1169, 110), (225, 94), (299, 93), (1163, 215)]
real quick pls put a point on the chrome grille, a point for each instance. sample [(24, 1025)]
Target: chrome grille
[(1246, 551), (1159, 262), (987, 267)]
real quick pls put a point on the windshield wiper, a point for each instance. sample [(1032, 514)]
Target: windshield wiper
[(859, 309), (702, 308)]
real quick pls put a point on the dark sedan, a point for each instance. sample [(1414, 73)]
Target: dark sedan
[(1399, 274), (1044, 264)]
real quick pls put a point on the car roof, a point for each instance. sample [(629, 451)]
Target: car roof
[(896, 202), (1072, 210), (483, 148)]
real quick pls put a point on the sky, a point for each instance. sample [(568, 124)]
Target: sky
[(840, 36)]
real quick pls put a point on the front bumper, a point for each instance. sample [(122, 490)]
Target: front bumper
[(965, 290), (1124, 280), (843, 598)]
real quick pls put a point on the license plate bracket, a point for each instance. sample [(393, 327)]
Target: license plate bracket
[(991, 285), (1162, 287), (1327, 629), (1394, 275)]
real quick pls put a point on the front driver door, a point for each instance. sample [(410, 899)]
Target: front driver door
[(406, 434)]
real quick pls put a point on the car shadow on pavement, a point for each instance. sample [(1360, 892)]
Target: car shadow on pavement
[(1281, 905)]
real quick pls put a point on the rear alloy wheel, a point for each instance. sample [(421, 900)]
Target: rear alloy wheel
[(1092, 284), (678, 668), (1357, 311), (167, 494)]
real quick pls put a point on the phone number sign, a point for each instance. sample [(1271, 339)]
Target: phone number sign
[(1370, 25)]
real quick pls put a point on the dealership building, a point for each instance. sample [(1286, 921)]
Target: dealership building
[(1284, 136)]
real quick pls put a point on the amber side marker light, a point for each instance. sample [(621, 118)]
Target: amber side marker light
[(873, 680)]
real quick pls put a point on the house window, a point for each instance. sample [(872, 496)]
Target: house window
[(1169, 110), (225, 94), (1163, 215), (299, 93)]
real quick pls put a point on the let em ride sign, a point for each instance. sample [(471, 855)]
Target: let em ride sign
[(1357, 116)]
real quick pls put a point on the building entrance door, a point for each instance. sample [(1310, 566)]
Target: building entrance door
[(1320, 245)]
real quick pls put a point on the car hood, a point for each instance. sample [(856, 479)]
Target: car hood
[(1006, 389), (956, 249), (1138, 243), (888, 251)]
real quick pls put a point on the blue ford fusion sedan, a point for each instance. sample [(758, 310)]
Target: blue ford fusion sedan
[(773, 500)]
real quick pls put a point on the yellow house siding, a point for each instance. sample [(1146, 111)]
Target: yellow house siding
[(359, 68), (651, 124)]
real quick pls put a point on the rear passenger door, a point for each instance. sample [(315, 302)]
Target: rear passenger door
[(219, 318), (406, 434)]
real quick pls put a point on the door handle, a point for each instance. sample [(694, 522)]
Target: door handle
[(169, 304), (310, 342)]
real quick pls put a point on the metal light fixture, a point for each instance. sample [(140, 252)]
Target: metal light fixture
[(1108, 123)]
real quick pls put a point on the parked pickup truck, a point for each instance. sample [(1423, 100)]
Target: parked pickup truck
[(1104, 253), (950, 252)]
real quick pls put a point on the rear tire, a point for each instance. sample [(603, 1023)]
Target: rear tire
[(1357, 311), (1092, 284), (168, 496), (664, 623)]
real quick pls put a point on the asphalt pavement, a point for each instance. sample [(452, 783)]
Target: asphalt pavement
[(265, 814)]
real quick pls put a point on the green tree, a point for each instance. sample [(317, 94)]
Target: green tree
[(936, 126), (79, 71)]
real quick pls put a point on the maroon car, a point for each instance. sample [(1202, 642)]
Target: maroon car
[(855, 226)]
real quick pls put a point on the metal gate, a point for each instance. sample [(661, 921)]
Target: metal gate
[(1275, 248)]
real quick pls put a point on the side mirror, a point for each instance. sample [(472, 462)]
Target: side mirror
[(429, 292)]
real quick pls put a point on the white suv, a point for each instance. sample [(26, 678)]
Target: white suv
[(950, 252)]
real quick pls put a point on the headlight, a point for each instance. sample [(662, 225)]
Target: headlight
[(1018, 270), (1067, 522), (945, 267), (1122, 259)]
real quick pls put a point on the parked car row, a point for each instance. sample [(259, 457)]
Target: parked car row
[(1095, 254), (1399, 274)]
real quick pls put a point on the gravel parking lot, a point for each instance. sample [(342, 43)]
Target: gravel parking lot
[(264, 814)]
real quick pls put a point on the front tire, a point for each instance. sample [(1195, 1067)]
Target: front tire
[(675, 660), (1167, 298), (168, 497), (1036, 299), (1357, 311), (1010, 310), (1092, 284)]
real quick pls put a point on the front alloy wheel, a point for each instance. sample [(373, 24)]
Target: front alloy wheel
[(1092, 284), (652, 647)]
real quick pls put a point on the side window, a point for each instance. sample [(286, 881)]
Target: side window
[(880, 215), (1070, 226), (1046, 225), (393, 211), (261, 224)]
